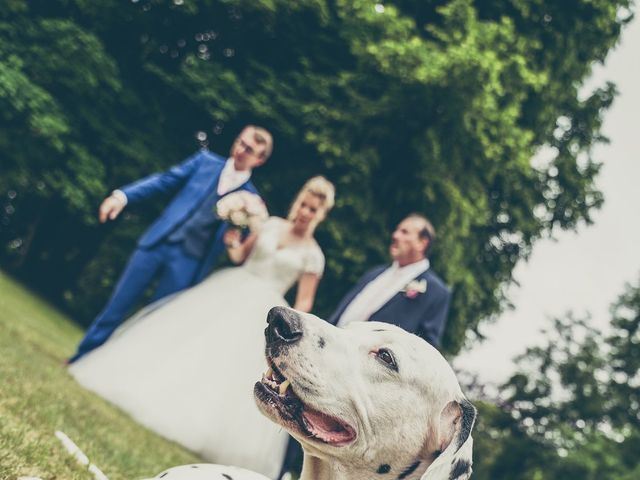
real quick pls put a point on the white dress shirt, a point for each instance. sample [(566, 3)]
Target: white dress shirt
[(121, 196), (230, 178), (380, 290)]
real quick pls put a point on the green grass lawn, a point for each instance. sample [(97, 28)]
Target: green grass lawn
[(38, 397)]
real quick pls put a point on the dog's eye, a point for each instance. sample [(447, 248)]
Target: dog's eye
[(386, 357)]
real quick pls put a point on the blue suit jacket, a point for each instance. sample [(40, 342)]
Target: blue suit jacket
[(193, 180), (424, 315)]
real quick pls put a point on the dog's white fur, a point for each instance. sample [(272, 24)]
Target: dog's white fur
[(410, 422), (208, 471)]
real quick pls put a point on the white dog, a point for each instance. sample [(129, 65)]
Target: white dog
[(370, 401)]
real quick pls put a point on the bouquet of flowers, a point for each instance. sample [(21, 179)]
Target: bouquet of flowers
[(242, 209)]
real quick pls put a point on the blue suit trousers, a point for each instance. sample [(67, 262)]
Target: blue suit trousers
[(176, 271)]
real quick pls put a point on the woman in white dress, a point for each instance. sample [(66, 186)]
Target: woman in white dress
[(186, 368)]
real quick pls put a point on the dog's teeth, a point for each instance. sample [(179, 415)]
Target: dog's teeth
[(283, 387), (269, 373)]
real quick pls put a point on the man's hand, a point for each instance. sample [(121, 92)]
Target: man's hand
[(110, 208), (232, 238)]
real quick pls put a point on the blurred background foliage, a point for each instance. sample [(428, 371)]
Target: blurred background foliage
[(436, 106), (572, 410)]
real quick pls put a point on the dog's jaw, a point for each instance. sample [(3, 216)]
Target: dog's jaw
[(277, 399)]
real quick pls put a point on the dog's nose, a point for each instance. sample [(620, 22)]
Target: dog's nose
[(284, 326)]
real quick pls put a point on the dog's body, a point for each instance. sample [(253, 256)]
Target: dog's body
[(367, 402)]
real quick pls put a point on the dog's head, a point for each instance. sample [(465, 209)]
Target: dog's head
[(372, 397)]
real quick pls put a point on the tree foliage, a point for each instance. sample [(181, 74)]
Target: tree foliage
[(573, 408), (412, 105)]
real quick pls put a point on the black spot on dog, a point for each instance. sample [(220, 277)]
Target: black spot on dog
[(282, 366), (194, 466), (228, 477), (460, 468), (409, 470), (163, 474), (321, 343), (380, 330), (436, 454), (384, 468)]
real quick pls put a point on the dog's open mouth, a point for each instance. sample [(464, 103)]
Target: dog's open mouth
[(276, 395)]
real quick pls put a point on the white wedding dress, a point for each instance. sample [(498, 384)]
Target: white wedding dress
[(185, 368)]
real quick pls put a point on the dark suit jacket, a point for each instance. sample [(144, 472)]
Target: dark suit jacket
[(424, 315), (193, 180)]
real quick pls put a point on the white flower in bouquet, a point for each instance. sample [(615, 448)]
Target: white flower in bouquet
[(242, 209), (239, 218)]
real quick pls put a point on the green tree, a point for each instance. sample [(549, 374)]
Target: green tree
[(573, 408), (412, 105)]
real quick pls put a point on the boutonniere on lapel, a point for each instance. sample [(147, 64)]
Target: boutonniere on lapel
[(415, 288)]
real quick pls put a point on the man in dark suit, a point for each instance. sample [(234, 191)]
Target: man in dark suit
[(179, 248), (406, 293)]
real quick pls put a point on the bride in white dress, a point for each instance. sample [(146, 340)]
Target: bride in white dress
[(186, 368)]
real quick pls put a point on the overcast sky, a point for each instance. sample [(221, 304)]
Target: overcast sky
[(581, 271)]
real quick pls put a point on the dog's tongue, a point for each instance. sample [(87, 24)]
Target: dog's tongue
[(327, 428)]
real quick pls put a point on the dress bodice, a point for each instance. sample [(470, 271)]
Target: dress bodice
[(281, 266)]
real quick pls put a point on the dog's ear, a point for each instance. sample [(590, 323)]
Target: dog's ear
[(454, 442), (456, 423)]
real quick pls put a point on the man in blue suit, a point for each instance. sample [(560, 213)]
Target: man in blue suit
[(406, 293), (179, 248)]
